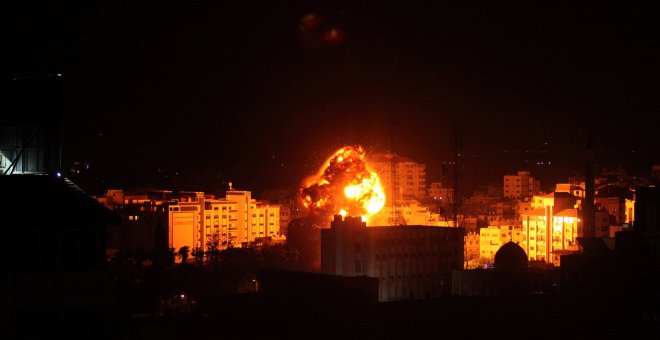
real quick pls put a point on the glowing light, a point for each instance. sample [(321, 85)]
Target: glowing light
[(345, 185), (351, 191)]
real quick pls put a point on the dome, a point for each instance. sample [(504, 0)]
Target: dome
[(510, 256)]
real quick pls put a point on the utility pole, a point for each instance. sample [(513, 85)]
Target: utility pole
[(457, 133), (589, 218), (394, 178)]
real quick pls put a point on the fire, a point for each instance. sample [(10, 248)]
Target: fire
[(344, 185)]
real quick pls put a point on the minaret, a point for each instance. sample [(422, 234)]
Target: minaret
[(589, 225)]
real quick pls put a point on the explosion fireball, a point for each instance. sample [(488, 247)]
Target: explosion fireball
[(344, 185)]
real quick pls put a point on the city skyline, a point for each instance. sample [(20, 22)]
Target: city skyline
[(347, 169)]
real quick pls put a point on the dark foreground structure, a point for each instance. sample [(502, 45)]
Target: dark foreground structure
[(410, 262), (54, 245)]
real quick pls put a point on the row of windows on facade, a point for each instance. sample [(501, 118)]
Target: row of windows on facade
[(253, 233), (232, 216), (191, 208)]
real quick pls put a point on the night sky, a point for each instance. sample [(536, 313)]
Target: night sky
[(191, 95)]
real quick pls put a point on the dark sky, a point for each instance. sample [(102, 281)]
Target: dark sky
[(192, 94)]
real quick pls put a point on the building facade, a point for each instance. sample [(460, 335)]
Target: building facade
[(411, 262), (143, 221), (441, 193), (402, 178), (471, 246), (409, 214), (538, 224), (232, 221), (494, 237), (521, 185)]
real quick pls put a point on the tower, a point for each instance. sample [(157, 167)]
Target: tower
[(589, 229)]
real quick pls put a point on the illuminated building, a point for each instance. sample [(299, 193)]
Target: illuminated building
[(442, 196), (575, 190), (403, 179), (409, 214), (286, 199), (411, 262), (537, 223), (471, 245), (493, 237), (630, 211), (565, 230), (553, 224), (438, 192), (534, 232), (565, 225), (521, 185), (233, 221)]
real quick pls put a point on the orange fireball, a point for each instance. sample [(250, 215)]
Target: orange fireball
[(344, 185)]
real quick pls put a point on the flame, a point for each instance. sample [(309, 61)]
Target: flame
[(344, 185)]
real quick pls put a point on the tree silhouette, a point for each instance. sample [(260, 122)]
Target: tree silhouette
[(212, 249), (183, 254), (198, 255)]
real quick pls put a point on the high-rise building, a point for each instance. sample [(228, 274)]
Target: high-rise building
[(553, 223), (402, 178), (411, 262), (521, 185), (541, 228)]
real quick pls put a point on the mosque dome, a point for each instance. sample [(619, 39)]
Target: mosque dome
[(510, 256)]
